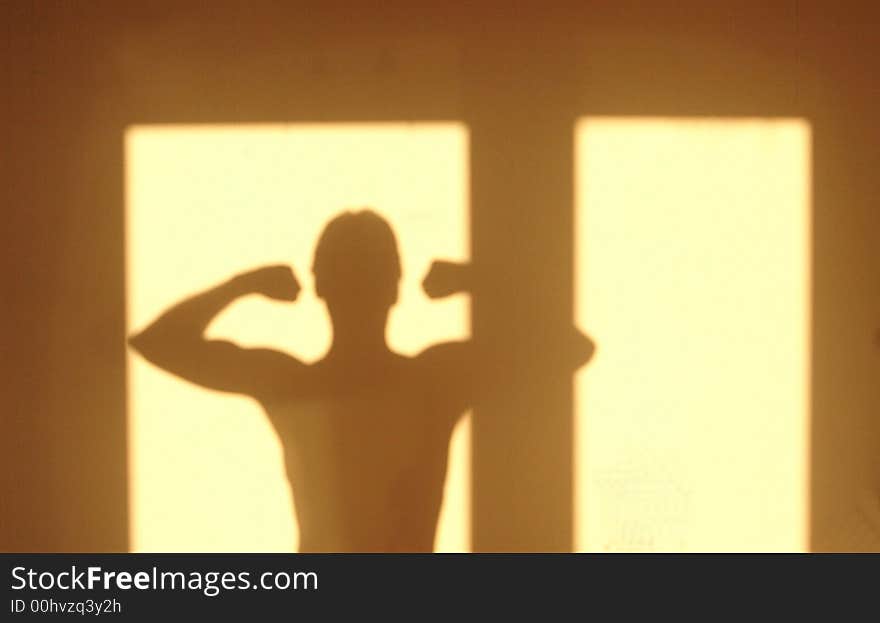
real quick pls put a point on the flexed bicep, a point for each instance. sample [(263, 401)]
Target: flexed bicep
[(176, 342), (223, 366)]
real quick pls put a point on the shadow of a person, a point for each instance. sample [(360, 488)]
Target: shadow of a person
[(365, 430)]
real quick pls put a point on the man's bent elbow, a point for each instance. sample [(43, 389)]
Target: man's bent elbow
[(135, 341), (144, 344), (586, 350)]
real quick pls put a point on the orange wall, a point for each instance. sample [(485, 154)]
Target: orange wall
[(76, 75)]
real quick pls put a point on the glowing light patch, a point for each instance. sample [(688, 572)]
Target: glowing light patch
[(693, 277), (206, 202)]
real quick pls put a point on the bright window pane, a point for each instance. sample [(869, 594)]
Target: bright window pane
[(693, 273), (207, 201)]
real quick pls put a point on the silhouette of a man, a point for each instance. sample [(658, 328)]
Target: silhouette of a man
[(365, 431)]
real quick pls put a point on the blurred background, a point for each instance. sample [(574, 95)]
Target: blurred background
[(692, 186)]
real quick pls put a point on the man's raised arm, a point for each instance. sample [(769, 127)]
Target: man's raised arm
[(176, 340), (456, 360)]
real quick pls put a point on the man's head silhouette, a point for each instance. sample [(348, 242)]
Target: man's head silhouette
[(357, 271)]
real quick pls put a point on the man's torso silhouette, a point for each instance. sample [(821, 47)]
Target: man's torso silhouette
[(365, 449), (365, 431)]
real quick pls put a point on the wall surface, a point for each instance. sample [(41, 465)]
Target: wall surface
[(75, 75)]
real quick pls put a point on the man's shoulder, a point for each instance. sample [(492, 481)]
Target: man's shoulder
[(457, 352)]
